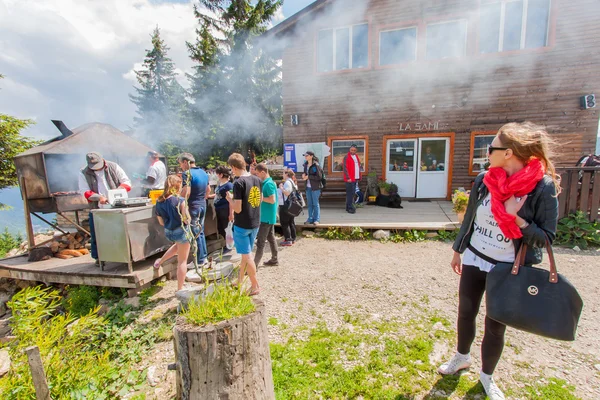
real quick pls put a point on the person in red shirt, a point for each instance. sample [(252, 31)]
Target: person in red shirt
[(352, 176)]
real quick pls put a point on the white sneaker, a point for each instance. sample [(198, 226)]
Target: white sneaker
[(200, 265), (490, 387), (456, 363)]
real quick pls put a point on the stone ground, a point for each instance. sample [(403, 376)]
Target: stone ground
[(335, 277)]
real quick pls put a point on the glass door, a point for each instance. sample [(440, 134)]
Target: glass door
[(432, 174), (402, 165)]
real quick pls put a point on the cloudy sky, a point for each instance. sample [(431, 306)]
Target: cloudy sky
[(73, 60)]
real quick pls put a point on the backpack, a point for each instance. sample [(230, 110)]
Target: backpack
[(323, 178), (294, 202)]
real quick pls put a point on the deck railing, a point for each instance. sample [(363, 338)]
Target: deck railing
[(580, 191)]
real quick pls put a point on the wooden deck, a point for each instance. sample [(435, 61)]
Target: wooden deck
[(82, 271), (420, 215)]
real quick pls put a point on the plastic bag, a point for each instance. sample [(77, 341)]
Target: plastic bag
[(229, 236)]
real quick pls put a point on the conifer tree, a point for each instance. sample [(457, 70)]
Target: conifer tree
[(236, 87), (160, 99)]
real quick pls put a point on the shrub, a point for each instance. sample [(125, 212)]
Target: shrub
[(9, 242), (447, 236), (577, 230), (76, 367), (81, 300), (354, 233), (225, 302), (410, 236), (460, 200)]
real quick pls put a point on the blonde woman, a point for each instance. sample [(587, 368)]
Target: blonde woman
[(172, 213), (514, 202)]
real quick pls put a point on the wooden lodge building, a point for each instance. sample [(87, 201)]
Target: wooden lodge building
[(421, 86)]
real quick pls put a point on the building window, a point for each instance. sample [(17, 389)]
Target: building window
[(479, 145), (339, 149), (343, 48), (397, 46), (513, 25), (446, 39)]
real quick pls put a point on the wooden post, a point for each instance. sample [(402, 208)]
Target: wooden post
[(37, 373), (228, 360), (28, 225)]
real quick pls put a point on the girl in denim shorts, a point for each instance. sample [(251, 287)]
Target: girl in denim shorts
[(172, 213)]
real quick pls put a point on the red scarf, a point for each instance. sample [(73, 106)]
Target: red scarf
[(503, 187)]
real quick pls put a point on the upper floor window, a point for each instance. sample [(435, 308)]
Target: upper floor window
[(343, 48), (446, 39), (514, 25), (397, 46)]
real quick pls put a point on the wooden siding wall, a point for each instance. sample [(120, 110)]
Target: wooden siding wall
[(472, 93)]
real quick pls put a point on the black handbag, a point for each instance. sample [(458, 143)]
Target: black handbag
[(532, 299)]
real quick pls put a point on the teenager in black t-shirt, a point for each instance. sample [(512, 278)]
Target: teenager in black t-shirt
[(244, 205)]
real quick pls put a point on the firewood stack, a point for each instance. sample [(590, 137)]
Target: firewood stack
[(70, 245)]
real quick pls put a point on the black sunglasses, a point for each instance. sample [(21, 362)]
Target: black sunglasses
[(492, 148)]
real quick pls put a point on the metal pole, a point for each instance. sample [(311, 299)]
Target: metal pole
[(77, 225), (28, 226), (50, 223)]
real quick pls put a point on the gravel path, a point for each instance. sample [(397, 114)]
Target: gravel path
[(334, 277)]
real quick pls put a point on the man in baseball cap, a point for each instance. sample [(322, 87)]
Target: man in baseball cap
[(95, 181), (94, 161)]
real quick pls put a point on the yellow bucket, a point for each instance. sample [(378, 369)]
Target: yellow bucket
[(372, 198), (154, 195)]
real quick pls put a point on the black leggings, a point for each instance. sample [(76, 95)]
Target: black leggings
[(470, 292), (222, 220), (288, 224)]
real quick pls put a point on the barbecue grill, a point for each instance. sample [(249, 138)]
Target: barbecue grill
[(48, 174)]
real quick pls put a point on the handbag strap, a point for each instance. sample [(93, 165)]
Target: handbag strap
[(520, 260)]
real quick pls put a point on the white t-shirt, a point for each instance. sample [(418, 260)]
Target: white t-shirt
[(356, 167), (488, 239), (103, 187), (158, 171)]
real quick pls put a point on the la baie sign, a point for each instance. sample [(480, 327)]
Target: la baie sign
[(419, 126)]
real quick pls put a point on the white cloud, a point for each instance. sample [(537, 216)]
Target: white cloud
[(73, 60)]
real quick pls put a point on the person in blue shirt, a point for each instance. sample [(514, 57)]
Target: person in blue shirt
[(195, 188), (221, 203), (173, 215)]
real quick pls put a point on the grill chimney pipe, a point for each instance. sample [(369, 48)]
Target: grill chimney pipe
[(66, 132)]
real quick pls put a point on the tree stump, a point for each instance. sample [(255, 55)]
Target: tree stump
[(228, 360)]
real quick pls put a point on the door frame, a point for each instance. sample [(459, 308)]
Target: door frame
[(450, 166), (415, 162)]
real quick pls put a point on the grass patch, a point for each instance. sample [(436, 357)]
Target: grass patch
[(374, 360), (273, 321), (225, 302), (555, 389)]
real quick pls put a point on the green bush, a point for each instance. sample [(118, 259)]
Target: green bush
[(9, 242), (460, 200), (354, 233), (76, 364), (447, 236), (81, 300), (577, 230), (410, 236), (225, 302)]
